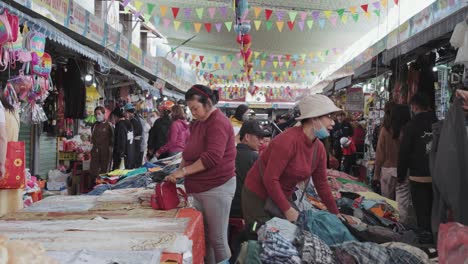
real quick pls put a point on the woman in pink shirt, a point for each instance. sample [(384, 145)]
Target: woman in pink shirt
[(288, 160), (178, 133)]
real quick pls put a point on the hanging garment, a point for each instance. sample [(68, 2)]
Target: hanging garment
[(325, 225), (75, 91), (314, 250), (460, 40), (450, 169)]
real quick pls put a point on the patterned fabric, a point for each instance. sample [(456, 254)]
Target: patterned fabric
[(421, 255), (400, 256), (276, 249), (314, 250), (366, 253), (343, 257)]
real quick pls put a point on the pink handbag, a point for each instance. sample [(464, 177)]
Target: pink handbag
[(166, 196)]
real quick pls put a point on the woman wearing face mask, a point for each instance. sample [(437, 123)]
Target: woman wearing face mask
[(287, 161), (102, 138)]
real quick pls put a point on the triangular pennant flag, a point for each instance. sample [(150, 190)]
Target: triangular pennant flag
[(301, 25), (275, 64), (256, 54), (268, 13), (262, 63), (175, 12), (208, 27), (176, 25), (333, 20), (377, 12), (287, 64), (280, 57), (238, 55), (376, 5), (163, 10), (197, 27), (257, 23), (223, 65), (228, 25), (150, 8), (291, 25), (223, 11), (396, 2), (194, 56), (218, 27), (280, 63), (156, 20), (303, 15), (344, 19), (340, 12), (269, 25), (187, 26), (125, 3), (212, 12), (316, 15), (231, 57), (203, 64), (187, 12), (229, 65), (199, 12), (147, 17), (225, 58), (384, 3), (138, 5), (197, 63), (257, 11), (186, 55), (280, 25), (292, 15), (241, 62), (365, 7), (303, 56), (322, 23), (279, 15), (327, 13), (201, 58), (356, 17), (166, 22), (264, 55), (327, 52), (310, 24), (353, 10), (294, 63), (368, 14)]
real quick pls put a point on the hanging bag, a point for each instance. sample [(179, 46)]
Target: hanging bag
[(270, 206), (166, 196)]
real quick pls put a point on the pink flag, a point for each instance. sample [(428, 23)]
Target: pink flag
[(166, 22), (212, 11)]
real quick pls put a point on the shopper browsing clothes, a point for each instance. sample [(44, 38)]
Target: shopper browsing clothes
[(178, 134), (288, 160), (123, 141), (388, 146), (349, 153), (414, 158), (137, 126), (341, 129), (209, 169), (160, 129), (251, 136), (102, 135)]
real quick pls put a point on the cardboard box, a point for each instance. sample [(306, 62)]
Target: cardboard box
[(11, 200)]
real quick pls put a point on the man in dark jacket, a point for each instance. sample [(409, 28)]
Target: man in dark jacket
[(137, 133), (341, 129), (251, 136), (158, 134), (413, 160)]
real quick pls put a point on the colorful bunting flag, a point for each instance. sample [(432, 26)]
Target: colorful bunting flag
[(275, 64), (262, 63), (356, 17), (197, 27), (396, 2), (201, 58), (199, 12), (175, 12), (291, 25), (166, 22), (353, 10), (376, 5), (176, 25), (279, 15), (344, 19), (223, 11), (292, 15), (280, 25), (340, 12), (257, 11), (268, 13), (334, 20), (187, 12), (187, 26), (322, 23), (327, 14), (125, 3), (365, 8), (303, 15), (218, 27), (212, 12), (269, 25), (368, 14), (257, 24), (150, 7), (384, 3), (138, 5), (315, 15), (310, 24), (301, 25), (163, 10), (228, 25), (377, 12), (208, 27)]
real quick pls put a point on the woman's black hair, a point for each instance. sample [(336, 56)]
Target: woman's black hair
[(240, 111), (421, 100), (6, 104), (118, 112), (399, 117), (387, 121), (202, 94), (100, 108)]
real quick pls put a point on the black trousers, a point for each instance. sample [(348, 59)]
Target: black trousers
[(348, 163), (421, 194), (338, 155)]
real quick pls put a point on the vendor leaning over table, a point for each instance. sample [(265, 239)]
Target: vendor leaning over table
[(208, 166), (287, 161)]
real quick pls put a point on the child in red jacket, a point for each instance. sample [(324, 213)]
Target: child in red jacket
[(349, 153)]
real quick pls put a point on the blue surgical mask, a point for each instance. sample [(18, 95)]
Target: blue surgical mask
[(322, 133)]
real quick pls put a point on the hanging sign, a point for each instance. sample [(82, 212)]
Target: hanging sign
[(77, 19), (355, 100), (55, 10), (136, 55), (96, 30)]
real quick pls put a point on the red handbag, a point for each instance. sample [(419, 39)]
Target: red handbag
[(14, 177), (166, 196)]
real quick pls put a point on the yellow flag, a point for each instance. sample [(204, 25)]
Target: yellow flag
[(257, 11), (287, 64), (228, 65), (138, 5), (194, 56), (224, 58), (311, 55), (344, 18), (263, 63), (368, 14), (327, 13), (176, 25), (163, 10), (280, 25), (197, 27), (353, 10), (275, 64), (257, 23), (384, 3), (256, 53)]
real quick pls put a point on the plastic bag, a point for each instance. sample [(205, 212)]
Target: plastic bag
[(26, 114), (38, 115), (122, 164), (453, 243)]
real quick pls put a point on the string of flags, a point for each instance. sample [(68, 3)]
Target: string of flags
[(263, 75), (263, 17)]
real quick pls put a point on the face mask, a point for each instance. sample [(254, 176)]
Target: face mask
[(100, 118), (152, 120), (322, 133)]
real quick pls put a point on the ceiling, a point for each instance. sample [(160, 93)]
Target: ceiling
[(325, 41)]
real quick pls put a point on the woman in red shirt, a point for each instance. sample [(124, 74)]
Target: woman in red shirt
[(208, 166), (178, 133), (287, 161)]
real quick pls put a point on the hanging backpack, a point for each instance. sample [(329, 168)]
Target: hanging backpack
[(14, 26), (35, 42), (41, 65)]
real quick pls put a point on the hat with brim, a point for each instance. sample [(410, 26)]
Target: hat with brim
[(129, 107), (253, 127), (316, 105)]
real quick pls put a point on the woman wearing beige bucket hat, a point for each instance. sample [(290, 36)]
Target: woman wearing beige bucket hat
[(292, 157)]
